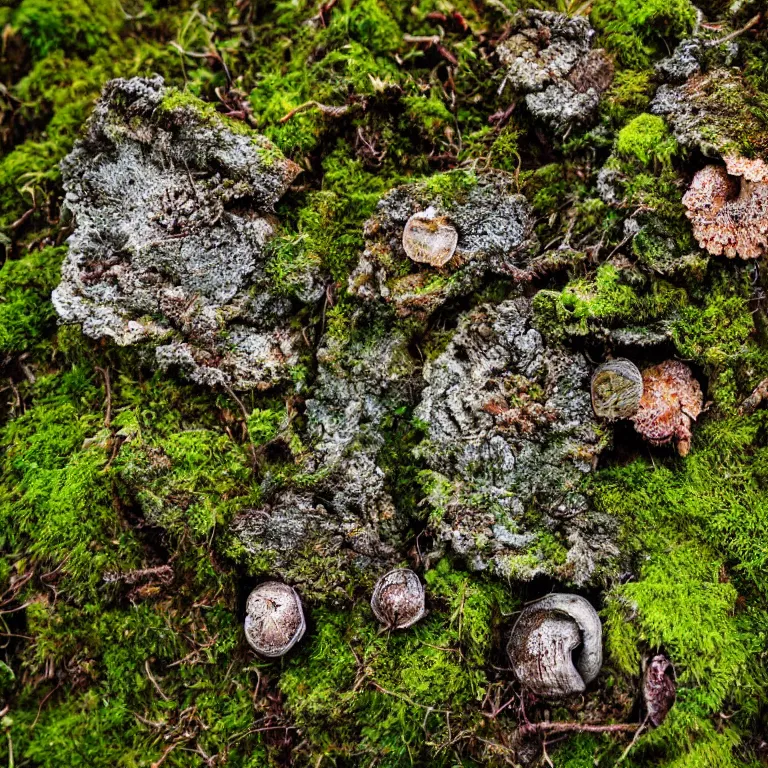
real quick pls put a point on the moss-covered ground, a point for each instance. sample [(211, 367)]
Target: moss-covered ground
[(104, 663)]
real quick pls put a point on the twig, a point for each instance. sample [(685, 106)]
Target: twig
[(42, 703), (331, 111), (633, 742), (751, 23), (244, 411), (165, 754), (154, 682), (550, 727)]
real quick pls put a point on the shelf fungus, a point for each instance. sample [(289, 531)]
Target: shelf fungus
[(398, 599), (671, 402), (555, 648), (429, 238), (728, 208), (617, 386), (274, 619), (659, 688)]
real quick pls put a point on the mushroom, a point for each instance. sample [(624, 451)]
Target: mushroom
[(671, 402), (730, 217), (543, 641), (429, 238), (659, 688), (398, 599), (617, 386), (274, 619)]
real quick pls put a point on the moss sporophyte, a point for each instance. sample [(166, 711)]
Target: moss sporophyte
[(383, 384)]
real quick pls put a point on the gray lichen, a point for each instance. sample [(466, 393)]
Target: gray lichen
[(510, 436), (494, 226), (173, 210), (549, 58)]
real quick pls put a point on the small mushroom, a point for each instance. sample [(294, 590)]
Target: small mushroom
[(728, 207), (429, 238), (671, 402), (274, 619), (547, 636), (398, 599), (617, 386), (659, 688)]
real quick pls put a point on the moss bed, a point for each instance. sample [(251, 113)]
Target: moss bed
[(97, 671)]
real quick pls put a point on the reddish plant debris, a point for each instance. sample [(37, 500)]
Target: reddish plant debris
[(671, 402), (659, 688)]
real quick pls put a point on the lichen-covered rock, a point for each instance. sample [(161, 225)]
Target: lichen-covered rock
[(672, 400), (713, 112), (494, 227), (173, 209), (346, 522), (510, 435), (550, 59), (730, 218)]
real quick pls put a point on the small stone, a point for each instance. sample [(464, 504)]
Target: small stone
[(274, 619), (617, 387), (398, 599), (429, 238)]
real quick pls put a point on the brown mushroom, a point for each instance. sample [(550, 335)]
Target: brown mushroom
[(274, 619), (671, 402), (728, 208), (555, 647)]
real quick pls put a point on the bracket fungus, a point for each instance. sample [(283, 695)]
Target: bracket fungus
[(429, 238), (617, 386), (671, 402), (556, 648), (274, 619), (728, 207), (398, 599)]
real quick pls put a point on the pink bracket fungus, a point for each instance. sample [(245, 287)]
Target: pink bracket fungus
[(728, 207), (671, 402)]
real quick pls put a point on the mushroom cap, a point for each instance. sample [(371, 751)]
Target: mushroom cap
[(429, 238), (617, 386), (274, 619), (727, 218), (671, 402), (398, 599), (543, 640)]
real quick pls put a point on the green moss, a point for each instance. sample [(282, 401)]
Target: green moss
[(647, 138), (699, 585), (603, 301), (73, 25), (639, 30)]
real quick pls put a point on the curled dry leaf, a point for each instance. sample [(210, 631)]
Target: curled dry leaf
[(555, 647), (659, 688), (617, 386)]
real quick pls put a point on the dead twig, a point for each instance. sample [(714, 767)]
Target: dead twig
[(154, 682), (550, 727), (326, 109), (108, 389)]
